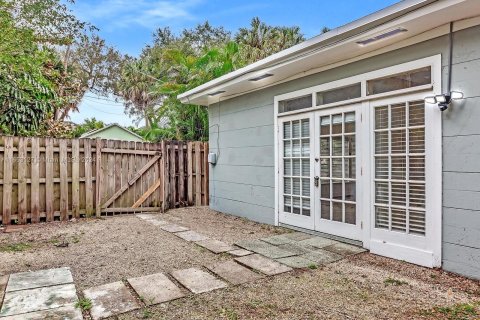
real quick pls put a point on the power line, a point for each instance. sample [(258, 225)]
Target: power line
[(112, 113), (118, 104)]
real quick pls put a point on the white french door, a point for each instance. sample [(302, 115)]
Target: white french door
[(406, 180), (369, 172), (296, 171), (337, 169)]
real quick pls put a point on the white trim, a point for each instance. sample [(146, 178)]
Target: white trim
[(362, 78), (90, 133), (289, 56)]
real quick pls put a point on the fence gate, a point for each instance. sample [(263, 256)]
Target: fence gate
[(47, 179)]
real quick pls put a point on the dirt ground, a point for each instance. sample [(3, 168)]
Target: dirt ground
[(360, 287)]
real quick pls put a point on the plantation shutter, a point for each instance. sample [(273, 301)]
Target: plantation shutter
[(400, 167)]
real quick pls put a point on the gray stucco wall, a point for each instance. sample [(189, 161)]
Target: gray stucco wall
[(242, 132)]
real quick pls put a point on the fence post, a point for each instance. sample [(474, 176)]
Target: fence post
[(98, 179)]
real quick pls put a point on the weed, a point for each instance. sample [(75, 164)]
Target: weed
[(394, 282), (312, 266), (230, 314), (16, 247), (461, 311), (147, 314), (84, 304)]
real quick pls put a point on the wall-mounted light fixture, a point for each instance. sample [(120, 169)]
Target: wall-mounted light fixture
[(444, 100), (263, 76)]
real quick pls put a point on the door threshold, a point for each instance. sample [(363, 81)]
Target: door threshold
[(324, 235)]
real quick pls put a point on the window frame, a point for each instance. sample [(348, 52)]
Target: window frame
[(362, 79)]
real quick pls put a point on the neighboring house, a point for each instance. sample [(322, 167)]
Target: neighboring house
[(114, 132), (335, 135)]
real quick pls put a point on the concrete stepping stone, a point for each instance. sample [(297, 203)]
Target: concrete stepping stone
[(62, 313), (296, 262), (110, 299), (240, 252), (155, 288), (38, 299), (318, 242), (298, 236), (156, 222), (265, 249), (3, 286), (344, 249), (198, 281), (215, 246), (173, 228), (277, 240), (322, 257), (263, 264), (234, 272), (38, 279), (296, 247), (191, 236)]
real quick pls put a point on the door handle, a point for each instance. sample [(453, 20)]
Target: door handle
[(316, 180)]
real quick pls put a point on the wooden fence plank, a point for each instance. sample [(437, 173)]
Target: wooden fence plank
[(49, 179), (173, 185), (63, 180), (181, 176), (99, 184), (22, 185), (162, 175), (198, 175), (146, 194), (35, 181), (7, 180), (190, 173), (75, 178), (88, 177)]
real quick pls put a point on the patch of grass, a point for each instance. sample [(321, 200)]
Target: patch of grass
[(312, 266), (15, 247), (84, 304), (461, 311), (230, 314), (394, 282), (147, 314)]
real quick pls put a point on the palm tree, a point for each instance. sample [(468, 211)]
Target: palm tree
[(137, 88)]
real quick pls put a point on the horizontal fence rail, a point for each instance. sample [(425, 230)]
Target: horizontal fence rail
[(48, 179)]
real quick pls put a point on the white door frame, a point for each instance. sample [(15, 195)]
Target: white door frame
[(432, 256)]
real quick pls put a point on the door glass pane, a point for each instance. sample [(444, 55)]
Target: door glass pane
[(338, 168), (296, 167), (400, 178), (337, 211)]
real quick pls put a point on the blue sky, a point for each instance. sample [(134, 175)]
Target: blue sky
[(128, 25)]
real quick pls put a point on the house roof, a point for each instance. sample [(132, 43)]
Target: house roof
[(93, 132), (419, 20)]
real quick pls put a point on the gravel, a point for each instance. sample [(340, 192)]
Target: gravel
[(111, 249)]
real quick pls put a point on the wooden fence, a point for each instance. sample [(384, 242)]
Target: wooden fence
[(47, 179)]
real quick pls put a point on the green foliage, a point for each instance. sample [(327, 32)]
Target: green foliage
[(394, 282), (88, 124), (84, 304), (15, 247), (460, 311), (26, 90), (178, 63)]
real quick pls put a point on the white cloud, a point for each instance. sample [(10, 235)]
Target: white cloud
[(146, 13)]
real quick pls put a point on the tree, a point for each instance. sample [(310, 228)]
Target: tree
[(87, 65), (136, 86), (27, 77), (261, 40)]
